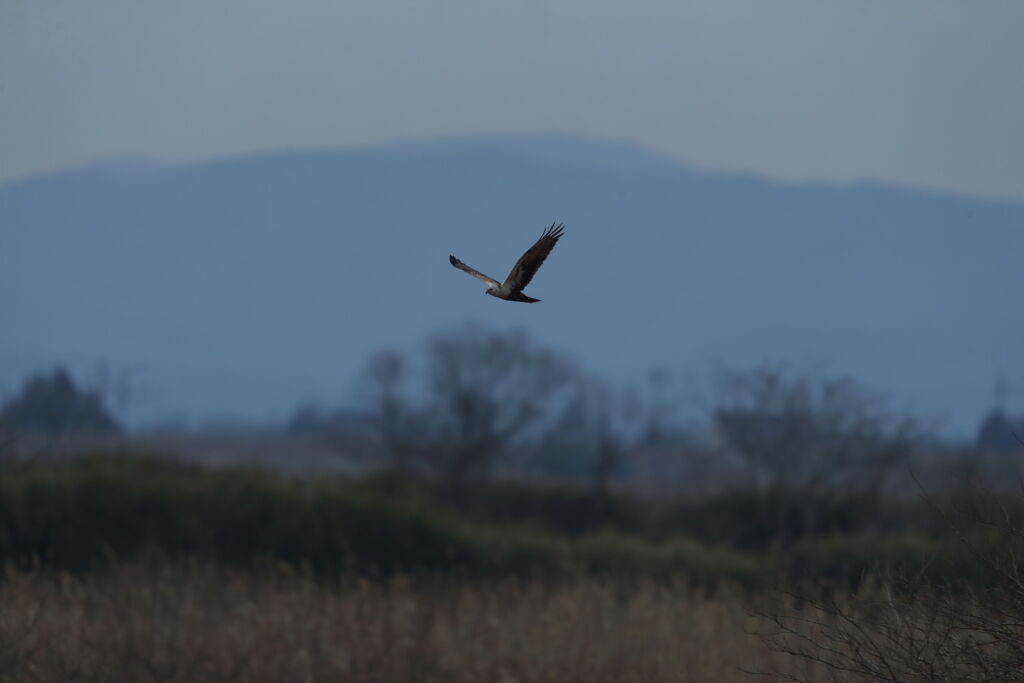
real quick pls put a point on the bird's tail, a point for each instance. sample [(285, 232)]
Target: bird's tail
[(519, 296)]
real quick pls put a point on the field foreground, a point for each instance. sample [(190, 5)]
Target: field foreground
[(140, 569), (197, 624)]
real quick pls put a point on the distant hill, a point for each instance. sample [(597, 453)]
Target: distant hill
[(243, 286)]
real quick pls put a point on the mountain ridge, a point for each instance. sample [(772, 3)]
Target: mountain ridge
[(242, 284)]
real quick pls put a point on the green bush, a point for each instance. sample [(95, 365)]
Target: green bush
[(760, 520), (83, 514), (849, 560), (86, 513)]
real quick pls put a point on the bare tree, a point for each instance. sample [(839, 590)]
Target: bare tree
[(475, 392), (800, 432), (592, 434), (805, 440), (486, 389), (385, 388)]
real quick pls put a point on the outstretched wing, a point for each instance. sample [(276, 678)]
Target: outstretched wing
[(472, 271), (527, 265)]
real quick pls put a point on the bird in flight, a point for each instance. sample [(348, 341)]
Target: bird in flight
[(524, 270)]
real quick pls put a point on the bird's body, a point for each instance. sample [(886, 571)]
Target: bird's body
[(522, 272)]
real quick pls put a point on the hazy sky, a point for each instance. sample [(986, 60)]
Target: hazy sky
[(921, 92)]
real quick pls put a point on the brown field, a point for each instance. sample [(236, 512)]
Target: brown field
[(202, 624)]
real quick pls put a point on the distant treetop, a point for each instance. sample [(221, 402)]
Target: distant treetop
[(51, 403)]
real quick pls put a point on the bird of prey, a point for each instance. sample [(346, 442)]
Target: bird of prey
[(524, 270)]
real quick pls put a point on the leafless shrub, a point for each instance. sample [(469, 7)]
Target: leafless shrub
[(907, 628), (888, 632)]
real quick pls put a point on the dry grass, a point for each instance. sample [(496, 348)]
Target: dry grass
[(202, 624)]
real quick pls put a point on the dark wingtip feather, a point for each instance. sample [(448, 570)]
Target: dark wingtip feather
[(554, 231), (452, 259)]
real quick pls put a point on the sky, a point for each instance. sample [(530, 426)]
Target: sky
[(925, 93)]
